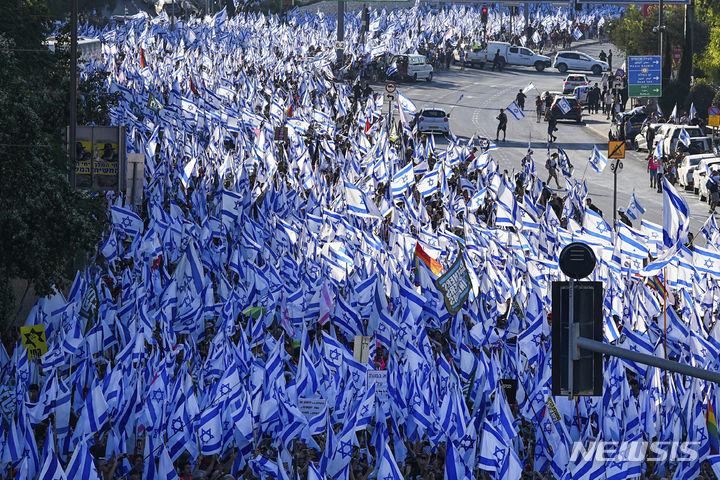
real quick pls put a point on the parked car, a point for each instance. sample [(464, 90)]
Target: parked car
[(579, 62), (640, 140), (433, 120), (636, 121), (699, 143), (411, 67), (476, 56), (575, 112), (573, 81), (700, 177), (687, 167), (510, 55), (581, 93)]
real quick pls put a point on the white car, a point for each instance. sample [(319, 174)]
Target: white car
[(581, 93), (413, 67), (573, 81), (670, 132), (686, 170), (430, 120), (700, 178), (578, 61)]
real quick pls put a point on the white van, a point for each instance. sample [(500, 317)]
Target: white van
[(413, 67), (699, 143)]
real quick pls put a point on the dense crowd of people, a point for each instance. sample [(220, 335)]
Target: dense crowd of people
[(213, 334)]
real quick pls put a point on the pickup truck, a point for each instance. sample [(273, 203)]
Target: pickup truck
[(509, 55)]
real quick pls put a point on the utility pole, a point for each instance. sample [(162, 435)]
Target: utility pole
[(615, 167), (660, 29), (72, 133)]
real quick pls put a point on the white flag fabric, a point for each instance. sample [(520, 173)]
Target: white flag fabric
[(515, 111), (597, 160), (676, 216), (564, 105)]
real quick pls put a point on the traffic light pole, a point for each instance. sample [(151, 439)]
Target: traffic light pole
[(571, 335), (653, 361)]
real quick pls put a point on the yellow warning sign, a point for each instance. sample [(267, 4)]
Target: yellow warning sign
[(713, 120), (616, 149), (33, 338)]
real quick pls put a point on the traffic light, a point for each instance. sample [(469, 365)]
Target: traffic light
[(484, 14), (578, 6)]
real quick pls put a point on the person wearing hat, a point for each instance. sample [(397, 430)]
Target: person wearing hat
[(592, 206), (551, 164), (623, 217)]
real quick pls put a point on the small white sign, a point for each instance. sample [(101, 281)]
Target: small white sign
[(311, 407), (379, 378), (339, 45)]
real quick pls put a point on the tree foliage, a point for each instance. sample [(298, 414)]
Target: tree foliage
[(701, 94), (44, 223)]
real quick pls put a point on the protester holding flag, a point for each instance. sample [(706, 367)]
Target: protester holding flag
[(502, 125)]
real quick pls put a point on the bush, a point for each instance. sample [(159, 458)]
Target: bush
[(702, 95), (716, 99)]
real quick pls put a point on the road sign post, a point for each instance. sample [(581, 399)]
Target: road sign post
[(645, 76), (389, 100)]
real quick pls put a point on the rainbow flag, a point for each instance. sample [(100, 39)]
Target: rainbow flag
[(712, 430), (657, 284), (434, 266)]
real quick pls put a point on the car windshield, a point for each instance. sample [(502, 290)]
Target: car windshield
[(695, 161), (433, 113), (576, 78)]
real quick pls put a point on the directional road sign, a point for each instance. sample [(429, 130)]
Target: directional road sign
[(645, 76)]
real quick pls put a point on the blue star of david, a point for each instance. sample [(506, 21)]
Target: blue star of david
[(611, 412), (389, 476), (226, 425), (548, 427), (613, 382), (186, 301), (636, 263), (602, 228), (499, 454), (634, 348), (177, 426), (709, 263), (417, 400), (539, 397), (334, 354), (238, 205), (113, 243), (617, 464), (23, 376), (701, 432), (536, 339), (158, 395), (655, 392), (345, 448), (356, 377), (443, 384), (466, 442), (703, 352), (541, 267), (206, 435), (224, 389), (382, 327), (126, 222), (364, 411)]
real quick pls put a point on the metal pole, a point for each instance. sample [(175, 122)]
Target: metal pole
[(339, 52), (172, 21), (681, 368), (527, 15), (73, 86), (571, 339), (615, 192), (660, 29)]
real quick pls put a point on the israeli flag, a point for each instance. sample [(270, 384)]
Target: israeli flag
[(577, 33), (658, 147), (406, 103), (693, 112), (634, 209), (536, 37), (402, 180), (676, 216), (564, 105), (597, 160), (684, 137), (392, 69), (515, 111)]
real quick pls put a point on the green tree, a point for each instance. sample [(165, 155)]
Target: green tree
[(44, 223), (701, 94)]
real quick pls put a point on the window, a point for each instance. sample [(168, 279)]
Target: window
[(513, 50), (433, 113), (525, 51)]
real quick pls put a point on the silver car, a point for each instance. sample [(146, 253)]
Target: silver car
[(433, 120)]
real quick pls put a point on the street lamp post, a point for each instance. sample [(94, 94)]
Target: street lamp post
[(615, 167)]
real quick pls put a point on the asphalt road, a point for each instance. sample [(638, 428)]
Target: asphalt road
[(484, 92)]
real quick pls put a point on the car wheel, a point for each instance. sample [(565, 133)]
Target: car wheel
[(501, 63), (578, 120), (695, 191), (429, 77), (562, 68), (539, 66), (596, 69), (415, 77)]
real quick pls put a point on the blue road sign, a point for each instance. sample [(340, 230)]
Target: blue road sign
[(645, 76)]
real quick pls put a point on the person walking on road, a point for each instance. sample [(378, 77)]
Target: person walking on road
[(497, 62), (608, 104), (602, 56), (502, 125), (539, 107), (551, 164), (609, 60), (520, 100), (652, 169), (552, 127)]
